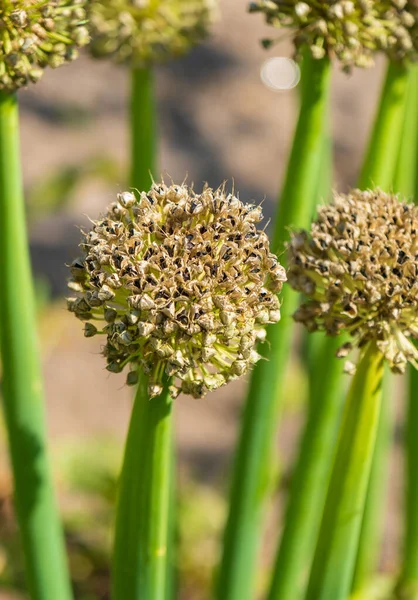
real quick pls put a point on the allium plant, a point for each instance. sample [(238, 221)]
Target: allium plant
[(182, 285), (363, 249), (350, 30), (141, 34), (37, 34), (33, 35)]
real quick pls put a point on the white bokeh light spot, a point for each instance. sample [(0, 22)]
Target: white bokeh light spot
[(280, 73)]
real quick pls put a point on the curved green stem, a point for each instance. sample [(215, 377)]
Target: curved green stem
[(408, 178), (314, 460), (335, 553), (408, 581), (299, 193), (369, 547), (23, 401), (380, 162), (311, 475), (139, 570), (380, 169), (252, 470), (143, 126)]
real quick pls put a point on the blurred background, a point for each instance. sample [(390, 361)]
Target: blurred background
[(217, 121)]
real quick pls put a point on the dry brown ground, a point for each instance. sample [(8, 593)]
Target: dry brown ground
[(217, 122)]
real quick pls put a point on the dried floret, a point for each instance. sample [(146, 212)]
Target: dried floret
[(358, 268), (181, 284)]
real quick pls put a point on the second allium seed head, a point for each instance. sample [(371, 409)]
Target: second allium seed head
[(182, 285), (358, 268)]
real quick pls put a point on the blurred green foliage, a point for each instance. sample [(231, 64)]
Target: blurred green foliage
[(86, 475)]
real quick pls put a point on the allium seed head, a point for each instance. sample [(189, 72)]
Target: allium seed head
[(181, 284), (145, 32), (350, 30), (358, 267), (35, 34)]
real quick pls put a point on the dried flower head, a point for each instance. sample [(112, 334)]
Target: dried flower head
[(145, 32), (350, 30), (35, 34), (181, 284), (358, 267)]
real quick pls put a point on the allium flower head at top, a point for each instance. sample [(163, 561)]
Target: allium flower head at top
[(350, 30), (145, 32), (358, 267), (35, 34), (181, 284)]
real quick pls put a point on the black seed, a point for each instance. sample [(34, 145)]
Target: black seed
[(402, 257)]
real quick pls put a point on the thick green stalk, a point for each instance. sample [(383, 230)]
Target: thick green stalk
[(380, 169), (381, 157), (409, 573), (416, 145), (335, 553), (408, 580), (143, 129), (406, 169), (23, 402), (252, 470), (325, 179), (313, 344), (139, 569), (311, 475), (369, 546), (171, 587), (314, 460), (143, 169), (298, 196)]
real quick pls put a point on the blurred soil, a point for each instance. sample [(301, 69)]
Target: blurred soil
[(217, 121)]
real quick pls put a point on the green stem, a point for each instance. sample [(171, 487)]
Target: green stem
[(325, 179), (171, 587), (298, 196), (252, 470), (380, 162), (409, 573), (406, 169), (311, 475), (415, 84), (23, 401), (408, 581), (335, 553), (380, 169), (142, 522), (143, 126), (371, 532)]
